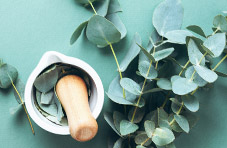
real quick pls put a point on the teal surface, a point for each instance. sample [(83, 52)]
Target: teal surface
[(29, 28)]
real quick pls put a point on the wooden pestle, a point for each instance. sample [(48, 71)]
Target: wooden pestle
[(72, 93)]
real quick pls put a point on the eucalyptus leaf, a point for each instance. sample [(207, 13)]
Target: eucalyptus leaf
[(119, 100), (60, 113), (216, 43), (77, 32), (147, 70), (178, 36), (191, 103), (196, 29), (110, 121), (194, 53), (175, 126), (191, 117), (149, 128), (140, 146), (145, 51), (127, 127), (163, 136), (102, 7), (114, 7), (131, 86), (115, 93), (46, 81), (141, 138), (132, 52), (164, 83), (102, 32), (6, 72), (175, 105), (163, 118), (168, 16), (197, 79), (139, 114), (207, 74), (15, 109), (207, 50), (183, 86), (220, 23), (115, 19), (119, 143), (183, 122), (162, 54), (46, 98), (20, 86), (117, 118)]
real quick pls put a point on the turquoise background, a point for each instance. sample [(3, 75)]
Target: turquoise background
[(30, 28)]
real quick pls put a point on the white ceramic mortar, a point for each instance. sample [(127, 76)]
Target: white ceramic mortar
[(97, 92)]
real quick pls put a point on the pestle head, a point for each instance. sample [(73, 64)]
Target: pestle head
[(72, 93)]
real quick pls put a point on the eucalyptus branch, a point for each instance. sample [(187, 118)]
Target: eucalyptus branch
[(141, 93), (118, 66), (22, 105)]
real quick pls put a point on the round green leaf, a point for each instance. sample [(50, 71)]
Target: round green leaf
[(207, 74), (131, 86), (115, 19), (194, 53), (183, 86), (6, 72), (77, 32), (127, 127), (196, 29), (149, 128), (163, 136), (47, 80), (174, 126), (216, 43), (175, 105), (183, 122), (102, 7), (147, 70), (117, 118), (162, 54), (191, 103), (102, 32), (115, 93), (168, 16), (178, 36), (164, 83), (46, 98), (220, 23), (110, 121)]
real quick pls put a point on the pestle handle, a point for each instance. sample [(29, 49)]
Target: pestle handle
[(72, 93)]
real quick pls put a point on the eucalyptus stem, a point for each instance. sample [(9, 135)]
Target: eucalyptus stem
[(144, 141), (215, 31), (185, 66), (23, 106), (92, 7), (141, 93), (219, 62)]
